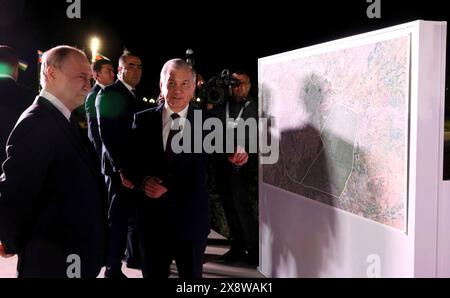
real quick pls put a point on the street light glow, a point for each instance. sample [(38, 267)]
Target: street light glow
[(95, 45)]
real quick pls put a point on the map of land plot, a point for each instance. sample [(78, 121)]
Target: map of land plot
[(341, 118)]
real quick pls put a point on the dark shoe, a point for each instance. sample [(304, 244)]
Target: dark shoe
[(252, 259), (234, 255), (134, 265), (109, 273)]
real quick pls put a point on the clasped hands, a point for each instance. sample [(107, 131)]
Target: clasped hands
[(154, 188)]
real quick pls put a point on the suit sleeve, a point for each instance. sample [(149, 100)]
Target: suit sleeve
[(113, 126), (91, 117), (29, 155), (138, 164)]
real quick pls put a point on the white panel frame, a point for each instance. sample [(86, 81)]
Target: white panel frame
[(300, 237)]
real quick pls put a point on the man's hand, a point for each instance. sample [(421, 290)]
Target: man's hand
[(125, 182), (239, 157), (153, 187), (3, 253)]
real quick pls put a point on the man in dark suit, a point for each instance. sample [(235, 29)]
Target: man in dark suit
[(14, 98), (233, 183), (116, 106), (103, 73), (52, 196), (173, 218)]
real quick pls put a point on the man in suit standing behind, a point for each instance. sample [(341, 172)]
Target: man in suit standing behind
[(116, 106), (103, 73), (173, 218), (232, 183), (14, 98), (52, 196)]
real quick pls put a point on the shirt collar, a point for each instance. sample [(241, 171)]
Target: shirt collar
[(57, 103), (168, 111), (101, 85)]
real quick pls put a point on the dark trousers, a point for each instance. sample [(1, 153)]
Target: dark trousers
[(123, 233), (159, 247), (233, 187)]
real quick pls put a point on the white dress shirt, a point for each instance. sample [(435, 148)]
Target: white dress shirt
[(167, 121), (101, 85), (57, 103)]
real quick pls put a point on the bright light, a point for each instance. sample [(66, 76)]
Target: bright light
[(198, 99), (152, 100), (95, 46), (145, 99)]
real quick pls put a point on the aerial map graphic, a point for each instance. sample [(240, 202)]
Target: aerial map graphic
[(341, 118)]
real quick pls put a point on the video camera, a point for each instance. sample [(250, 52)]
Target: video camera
[(218, 88)]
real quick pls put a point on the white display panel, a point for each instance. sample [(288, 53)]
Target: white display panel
[(356, 188)]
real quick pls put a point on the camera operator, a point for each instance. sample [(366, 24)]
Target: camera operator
[(233, 183)]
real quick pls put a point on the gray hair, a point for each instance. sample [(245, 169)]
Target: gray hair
[(55, 57), (176, 63)]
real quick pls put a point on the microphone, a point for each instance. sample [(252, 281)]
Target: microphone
[(190, 57)]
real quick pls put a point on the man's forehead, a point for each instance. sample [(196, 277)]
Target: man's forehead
[(176, 72), (242, 77), (133, 60), (77, 63), (107, 66)]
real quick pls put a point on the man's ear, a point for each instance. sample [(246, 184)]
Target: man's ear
[(51, 73)]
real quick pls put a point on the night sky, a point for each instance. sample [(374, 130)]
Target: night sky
[(229, 34)]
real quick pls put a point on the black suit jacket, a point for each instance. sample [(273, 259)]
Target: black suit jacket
[(116, 107), (14, 99), (183, 211), (249, 111), (52, 197), (91, 119)]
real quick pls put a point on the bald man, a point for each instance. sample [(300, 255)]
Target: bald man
[(52, 196)]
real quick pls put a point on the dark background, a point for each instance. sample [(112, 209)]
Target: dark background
[(223, 34), (230, 34)]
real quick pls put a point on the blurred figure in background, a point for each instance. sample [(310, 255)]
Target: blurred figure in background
[(116, 106), (14, 98), (103, 73)]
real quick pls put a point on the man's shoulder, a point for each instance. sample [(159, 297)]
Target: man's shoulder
[(111, 100), (251, 108), (34, 119), (38, 110), (149, 113), (117, 86), (16, 94), (94, 91)]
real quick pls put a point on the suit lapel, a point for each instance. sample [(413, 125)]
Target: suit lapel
[(96, 89), (159, 127), (123, 88)]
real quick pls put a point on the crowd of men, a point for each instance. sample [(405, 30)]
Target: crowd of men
[(123, 187)]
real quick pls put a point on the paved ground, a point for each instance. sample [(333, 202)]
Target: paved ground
[(213, 267)]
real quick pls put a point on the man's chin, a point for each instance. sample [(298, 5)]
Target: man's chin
[(81, 100)]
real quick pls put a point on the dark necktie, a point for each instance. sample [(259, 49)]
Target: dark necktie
[(169, 152), (133, 91)]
